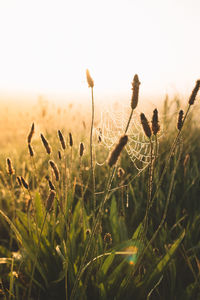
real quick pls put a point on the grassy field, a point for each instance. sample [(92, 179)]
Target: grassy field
[(85, 214)]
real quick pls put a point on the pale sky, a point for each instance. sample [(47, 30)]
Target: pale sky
[(46, 45)]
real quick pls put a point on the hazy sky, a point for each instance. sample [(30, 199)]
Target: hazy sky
[(46, 45)]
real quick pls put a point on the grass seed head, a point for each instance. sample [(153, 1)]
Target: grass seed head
[(180, 120), (31, 133), (117, 150), (24, 183), (70, 140), (155, 123), (10, 167), (19, 181), (135, 93), (46, 144), (51, 186), (61, 138), (90, 81), (59, 155), (30, 150), (81, 150), (194, 92), (55, 169), (145, 125), (50, 200)]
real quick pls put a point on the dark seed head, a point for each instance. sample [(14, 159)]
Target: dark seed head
[(30, 150), (31, 133), (155, 123), (9, 167), (46, 144), (19, 181), (59, 155), (180, 120), (81, 149), (70, 140), (135, 94), (24, 183), (50, 200), (117, 150), (55, 169), (61, 138), (51, 186), (145, 125), (194, 93)]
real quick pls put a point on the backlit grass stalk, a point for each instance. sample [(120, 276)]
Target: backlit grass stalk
[(91, 85), (148, 133), (81, 150)]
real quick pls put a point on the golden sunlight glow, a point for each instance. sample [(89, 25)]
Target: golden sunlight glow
[(47, 45)]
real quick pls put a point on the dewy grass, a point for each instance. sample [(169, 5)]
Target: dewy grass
[(62, 251), (173, 147)]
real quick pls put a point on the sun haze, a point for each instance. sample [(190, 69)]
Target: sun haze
[(46, 46)]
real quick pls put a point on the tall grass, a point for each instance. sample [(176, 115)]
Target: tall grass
[(71, 229)]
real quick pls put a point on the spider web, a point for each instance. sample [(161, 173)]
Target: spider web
[(112, 126)]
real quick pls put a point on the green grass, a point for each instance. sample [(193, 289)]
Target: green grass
[(152, 249)]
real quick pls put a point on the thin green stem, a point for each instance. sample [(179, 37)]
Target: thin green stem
[(91, 154), (129, 120), (150, 182)]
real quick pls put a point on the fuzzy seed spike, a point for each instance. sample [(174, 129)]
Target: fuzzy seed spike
[(24, 183), (81, 150), (19, 181), (155, 123), (55, 169), (50, 200), (61, 138), (59, 155), (145, 125), (135, 93), (31, 133), (30, 150), (51, 186), (70, 140), (89, 79), (180, 120), (194, 92), (46, 144), (10, 167), (117, 150)]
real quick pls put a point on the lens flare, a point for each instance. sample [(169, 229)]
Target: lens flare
[(133, 254)]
